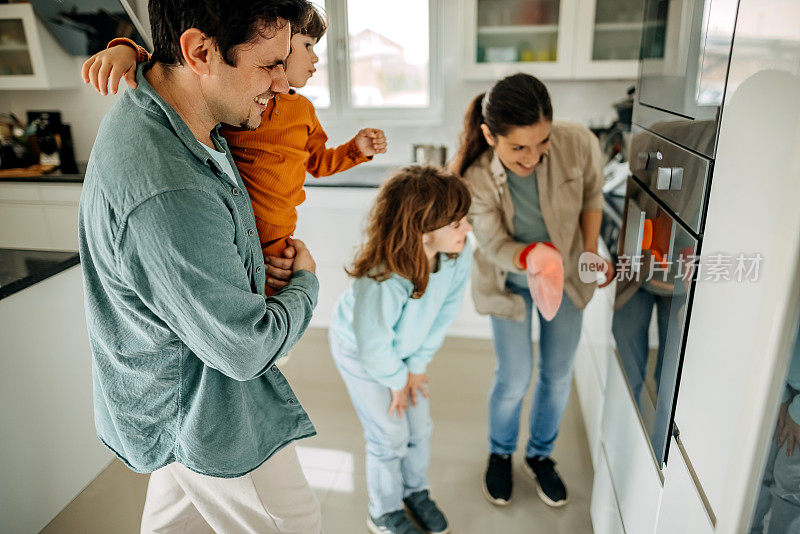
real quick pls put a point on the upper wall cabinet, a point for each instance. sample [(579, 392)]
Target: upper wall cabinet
[(30, 58), (551, 39)]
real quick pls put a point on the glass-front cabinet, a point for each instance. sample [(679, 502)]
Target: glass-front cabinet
[(30, 58), (609, 33), (15, 55), (552, 39)]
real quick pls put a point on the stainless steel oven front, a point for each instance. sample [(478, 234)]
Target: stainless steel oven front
[(684, 56), (656, 262)]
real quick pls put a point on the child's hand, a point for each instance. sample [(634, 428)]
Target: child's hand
[(371, 141), (104, 70), (399, 402), (302, 257), (417, 383)]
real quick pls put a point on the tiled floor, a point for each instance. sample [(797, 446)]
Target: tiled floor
[(334, 459)]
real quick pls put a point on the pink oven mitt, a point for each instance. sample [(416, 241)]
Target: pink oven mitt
[(545, 269)]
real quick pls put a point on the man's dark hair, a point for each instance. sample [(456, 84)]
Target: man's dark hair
[(229, 23)]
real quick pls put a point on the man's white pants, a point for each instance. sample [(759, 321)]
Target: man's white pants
[(273, 498)]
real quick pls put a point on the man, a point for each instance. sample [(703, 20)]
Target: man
[(183, 339)]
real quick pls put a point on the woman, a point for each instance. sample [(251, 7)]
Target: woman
[(532, 181)]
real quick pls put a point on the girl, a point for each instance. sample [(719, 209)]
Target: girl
[(409, 281), (532, 181), (274, 158)]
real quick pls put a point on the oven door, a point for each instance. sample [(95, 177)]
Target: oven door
[(684, 55), (655, 273)]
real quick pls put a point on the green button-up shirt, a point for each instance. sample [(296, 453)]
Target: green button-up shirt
[(183, 339)]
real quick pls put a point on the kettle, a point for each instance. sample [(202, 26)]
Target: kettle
[(430, 154)]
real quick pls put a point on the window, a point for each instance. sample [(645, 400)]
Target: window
[(378, 59)]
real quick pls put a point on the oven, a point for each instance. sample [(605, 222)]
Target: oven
[(684, 56), (663, 215), (656, 263)]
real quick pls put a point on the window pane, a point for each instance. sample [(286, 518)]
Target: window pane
[(317, 89), (388, 53)]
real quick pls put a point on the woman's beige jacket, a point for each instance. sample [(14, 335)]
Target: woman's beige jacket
[(570, 180)]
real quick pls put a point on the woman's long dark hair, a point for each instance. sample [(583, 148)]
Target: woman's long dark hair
[(517, 100)]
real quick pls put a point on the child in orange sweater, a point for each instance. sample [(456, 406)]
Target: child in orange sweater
[(272, 159)]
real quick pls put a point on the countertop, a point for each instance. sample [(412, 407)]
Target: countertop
[(20, 268), (53, 177), (364, 175)]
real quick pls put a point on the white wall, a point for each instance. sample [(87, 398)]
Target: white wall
[(572, 100)]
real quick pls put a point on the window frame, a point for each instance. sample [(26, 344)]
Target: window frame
[(341, 107)]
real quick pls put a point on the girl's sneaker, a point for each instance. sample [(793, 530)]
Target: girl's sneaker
[(392, 523), (426, 512)]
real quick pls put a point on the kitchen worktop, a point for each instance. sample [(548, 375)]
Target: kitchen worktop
[(364, 175), (20, 268), (52, 177)]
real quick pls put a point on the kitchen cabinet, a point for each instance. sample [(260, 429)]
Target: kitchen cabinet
[(551, 39), (30, 58), (608, 33), (50, 449), (604, 507), (39, 215), (682, 507)]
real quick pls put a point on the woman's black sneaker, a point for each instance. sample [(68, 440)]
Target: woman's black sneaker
[(549, 485), (497, 482)]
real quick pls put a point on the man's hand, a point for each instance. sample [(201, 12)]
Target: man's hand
[(279, 270), (417, 383), (788, 432), (104, 70), (399, 402), (371, 141)]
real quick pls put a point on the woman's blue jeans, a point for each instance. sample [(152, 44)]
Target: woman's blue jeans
[(512, 376)]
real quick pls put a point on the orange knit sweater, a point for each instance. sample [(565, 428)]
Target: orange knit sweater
[(274, 158), (273, 161)]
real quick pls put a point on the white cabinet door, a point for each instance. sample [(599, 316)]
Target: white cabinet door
[(30, 58), (636, 478), (608, 35), (682, 509), (502, 37), (550, 39), (590, 395), (39, 216), (23, 226), (62, 226), (604, 509), (331, 223)]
